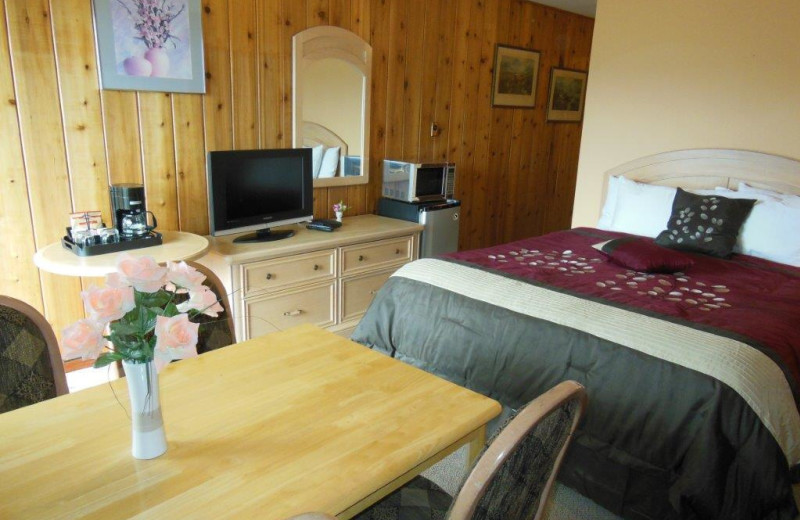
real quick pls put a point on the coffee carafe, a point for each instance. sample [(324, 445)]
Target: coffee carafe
[(129, 212), (134, 222)]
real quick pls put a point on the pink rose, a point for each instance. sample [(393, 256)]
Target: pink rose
[(203, 300), (109, 304), (185, 276), (83, 338), (141, 272), (176, 338)]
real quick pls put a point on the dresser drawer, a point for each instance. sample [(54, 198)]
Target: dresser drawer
[(280, 273), (375, 255), (289, 308), (357, 293)]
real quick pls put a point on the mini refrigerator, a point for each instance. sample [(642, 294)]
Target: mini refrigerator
[(440, 219)]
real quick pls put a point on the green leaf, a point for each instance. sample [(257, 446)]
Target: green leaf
[(171, 310), (157, 299), (107, 358), (123, 328)]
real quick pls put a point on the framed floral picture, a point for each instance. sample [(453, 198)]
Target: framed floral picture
[(150, 45), (515, 74), (567, 95)]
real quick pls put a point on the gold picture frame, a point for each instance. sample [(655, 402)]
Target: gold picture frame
[(516, 71), (567, 95)]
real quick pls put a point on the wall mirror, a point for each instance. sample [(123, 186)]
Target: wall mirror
[(332, 70)]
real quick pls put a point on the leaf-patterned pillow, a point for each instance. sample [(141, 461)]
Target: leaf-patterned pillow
[(707, 224)]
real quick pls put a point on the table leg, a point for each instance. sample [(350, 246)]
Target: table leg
[(476, 444)]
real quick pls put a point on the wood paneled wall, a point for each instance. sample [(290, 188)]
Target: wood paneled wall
[(65, 140)]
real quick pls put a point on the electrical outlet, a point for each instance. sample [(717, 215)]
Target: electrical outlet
[(435, 130)]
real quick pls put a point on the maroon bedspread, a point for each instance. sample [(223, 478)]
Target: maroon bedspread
[(747, 298)]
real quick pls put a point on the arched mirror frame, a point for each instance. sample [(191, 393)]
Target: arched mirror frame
[(324, 42)]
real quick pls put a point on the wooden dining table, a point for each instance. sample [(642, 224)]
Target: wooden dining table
[(294, 421)]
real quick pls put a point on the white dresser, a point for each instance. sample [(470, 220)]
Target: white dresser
[(324, 278)]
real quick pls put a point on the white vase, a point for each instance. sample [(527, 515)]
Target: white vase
[(159, 59), (147, 428), (339, 215)]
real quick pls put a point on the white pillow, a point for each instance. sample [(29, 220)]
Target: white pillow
[(772, 231), (316, 158), (748, 191), (330, 162), (641, 209), (607, 215)]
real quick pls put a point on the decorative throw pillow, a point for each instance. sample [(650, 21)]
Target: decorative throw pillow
[(641, 254), (707, 224)]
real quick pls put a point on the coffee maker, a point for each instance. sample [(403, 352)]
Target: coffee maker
[(128, 210)]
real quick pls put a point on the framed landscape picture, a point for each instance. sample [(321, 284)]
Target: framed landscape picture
[(150, 45), (567, 94), (515, 74)]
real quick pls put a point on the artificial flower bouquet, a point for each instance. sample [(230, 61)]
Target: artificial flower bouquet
[(339, 207), (153, 20), (145, 309)]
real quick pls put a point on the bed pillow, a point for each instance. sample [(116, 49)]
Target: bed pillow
[(772, 231), (610, 206), (763, 194), (707, 224), (330, 162), (642, 254), (316, 158), (641, 209)]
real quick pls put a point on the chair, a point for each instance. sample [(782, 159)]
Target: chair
[(31, 369), (511, 479), (216, 332)]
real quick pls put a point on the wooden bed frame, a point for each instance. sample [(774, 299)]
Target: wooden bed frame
[(315, 134), (712, 167)]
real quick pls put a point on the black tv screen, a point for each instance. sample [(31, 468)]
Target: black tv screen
[(258, 190)]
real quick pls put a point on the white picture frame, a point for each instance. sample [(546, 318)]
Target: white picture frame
[(150, 47)]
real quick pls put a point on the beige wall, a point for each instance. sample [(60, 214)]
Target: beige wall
[(688, 74)]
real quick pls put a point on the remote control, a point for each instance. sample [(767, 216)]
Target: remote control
[(323, 224)]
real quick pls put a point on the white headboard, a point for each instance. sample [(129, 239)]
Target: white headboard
[(315, 134), (708, 168)]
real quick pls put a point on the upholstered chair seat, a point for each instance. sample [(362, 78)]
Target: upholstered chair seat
[(31, 369)]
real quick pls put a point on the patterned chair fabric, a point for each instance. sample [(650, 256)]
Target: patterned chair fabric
[(216, 332), (518, 486), (419, 499), (30, 364), (515, 489)]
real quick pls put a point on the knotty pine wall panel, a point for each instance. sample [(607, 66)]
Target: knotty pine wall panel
[(65, 139)]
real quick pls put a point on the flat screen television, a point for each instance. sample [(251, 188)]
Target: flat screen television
[(257, 190)]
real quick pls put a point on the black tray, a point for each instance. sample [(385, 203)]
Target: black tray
[(151, 239)]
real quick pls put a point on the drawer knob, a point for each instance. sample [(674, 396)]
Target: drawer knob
[(296, 312), (316, 267), (269, 276), (373, 292), (397, 251), (360, 258)]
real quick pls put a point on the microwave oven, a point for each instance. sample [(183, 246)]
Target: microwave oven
[(414, 182)]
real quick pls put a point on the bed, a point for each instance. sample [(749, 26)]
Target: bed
[(692, 375)]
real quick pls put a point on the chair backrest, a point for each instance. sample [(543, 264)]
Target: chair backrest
[(515, 473), (216, 332), (30, 360)]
